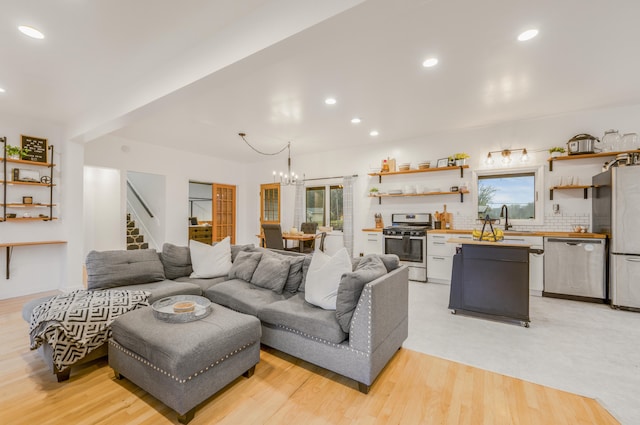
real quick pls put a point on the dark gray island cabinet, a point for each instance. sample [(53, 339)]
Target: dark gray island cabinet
[(491, 280)]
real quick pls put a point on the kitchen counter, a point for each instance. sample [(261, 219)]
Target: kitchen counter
[(491, 279), (472, 242), (372, 229), (536, 233)]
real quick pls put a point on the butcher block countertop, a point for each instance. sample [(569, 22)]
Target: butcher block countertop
[(499, 243), (541, 233), (372, 229)]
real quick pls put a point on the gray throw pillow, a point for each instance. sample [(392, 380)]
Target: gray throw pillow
[(245, 265), (369, 269), (236, 249), (272, 272), (391, 261), (176, 261), (305, 268), (109, 269), (295, 274)]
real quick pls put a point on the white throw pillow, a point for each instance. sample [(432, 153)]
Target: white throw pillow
[(323, 278), (210, 261)]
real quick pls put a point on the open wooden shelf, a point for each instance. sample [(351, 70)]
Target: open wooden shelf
[(11, 182), (583, 187), (25, 162), (585, 156), (28, 219), (424, 170), (27, 205), (405, 195), (8, 184)]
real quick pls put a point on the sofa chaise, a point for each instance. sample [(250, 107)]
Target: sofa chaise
[(357, 348)]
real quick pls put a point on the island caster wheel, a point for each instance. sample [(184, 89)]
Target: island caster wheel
[(453, 312), (525, 324)]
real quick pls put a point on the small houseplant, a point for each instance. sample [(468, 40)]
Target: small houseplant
[(373, 191), (556, 151), (14, 152), (460, 158)]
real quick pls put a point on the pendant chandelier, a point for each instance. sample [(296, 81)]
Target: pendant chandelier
[(284, 178)]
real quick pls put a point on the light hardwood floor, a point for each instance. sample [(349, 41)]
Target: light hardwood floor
[(413, 389)]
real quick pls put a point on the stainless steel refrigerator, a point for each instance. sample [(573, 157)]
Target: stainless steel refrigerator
[(616, 212)]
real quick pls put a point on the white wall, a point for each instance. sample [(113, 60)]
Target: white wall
[(102, 198), (537, 135), (42, 268), (178, 167)]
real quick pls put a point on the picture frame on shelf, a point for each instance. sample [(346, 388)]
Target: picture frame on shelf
[(35, 148), (442, 162), (27, 200)]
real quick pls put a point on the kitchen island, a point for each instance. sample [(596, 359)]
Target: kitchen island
[(491, 280)]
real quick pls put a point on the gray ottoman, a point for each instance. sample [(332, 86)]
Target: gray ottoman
[(183, 364)]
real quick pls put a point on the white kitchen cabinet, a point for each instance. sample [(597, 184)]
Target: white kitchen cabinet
[(440, 256), (536, 261), (373, 243)]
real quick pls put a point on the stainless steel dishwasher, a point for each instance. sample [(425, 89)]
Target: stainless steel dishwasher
[(575, 269)]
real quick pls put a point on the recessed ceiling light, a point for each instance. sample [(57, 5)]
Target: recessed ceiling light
[(373, 133), (2, 90), (528, 35), (31, 32), (330, 101), (356, 120), (428, 63)]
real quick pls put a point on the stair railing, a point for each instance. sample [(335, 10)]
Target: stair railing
[(139, 198)]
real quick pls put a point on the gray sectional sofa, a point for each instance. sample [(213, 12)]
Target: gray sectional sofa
[(356, 341)]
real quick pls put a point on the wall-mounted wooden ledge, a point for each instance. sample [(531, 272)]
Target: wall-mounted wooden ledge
[(9, 247)]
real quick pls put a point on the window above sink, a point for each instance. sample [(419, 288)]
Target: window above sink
[(517, 188)]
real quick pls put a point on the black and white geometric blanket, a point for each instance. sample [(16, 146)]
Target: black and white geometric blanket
[(76, 323)]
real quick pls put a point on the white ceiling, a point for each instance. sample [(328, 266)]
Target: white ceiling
[(149, 73)]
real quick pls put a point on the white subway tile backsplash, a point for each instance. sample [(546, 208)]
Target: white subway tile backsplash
[(552, 222)]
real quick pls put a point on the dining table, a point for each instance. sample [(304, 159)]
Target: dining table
[(300, 237)]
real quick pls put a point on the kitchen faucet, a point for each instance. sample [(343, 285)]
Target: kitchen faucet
[(504, 212)]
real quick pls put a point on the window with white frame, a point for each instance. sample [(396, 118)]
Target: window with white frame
[(324, 206), (518, 189)]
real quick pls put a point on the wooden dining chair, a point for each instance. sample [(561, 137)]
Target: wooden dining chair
[(272, 236), (309, 228), (317, 242)]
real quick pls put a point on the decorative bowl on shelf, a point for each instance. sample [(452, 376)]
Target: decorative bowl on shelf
[(404, 167), (424, 165)]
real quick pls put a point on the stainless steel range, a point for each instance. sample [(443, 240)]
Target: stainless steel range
[(407, 238)]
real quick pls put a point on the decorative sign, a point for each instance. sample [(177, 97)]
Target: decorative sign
[(37, 148)]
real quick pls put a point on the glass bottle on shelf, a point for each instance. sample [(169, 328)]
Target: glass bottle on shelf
[(611, 141), (629, 142)]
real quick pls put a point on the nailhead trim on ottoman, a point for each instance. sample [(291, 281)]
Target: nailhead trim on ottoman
[(183, 364)]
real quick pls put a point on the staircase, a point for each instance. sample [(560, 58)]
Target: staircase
[(134, 239)]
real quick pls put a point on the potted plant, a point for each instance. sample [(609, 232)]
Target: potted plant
[(556, 151), (460, 158), (14, 152), (373, 191)]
